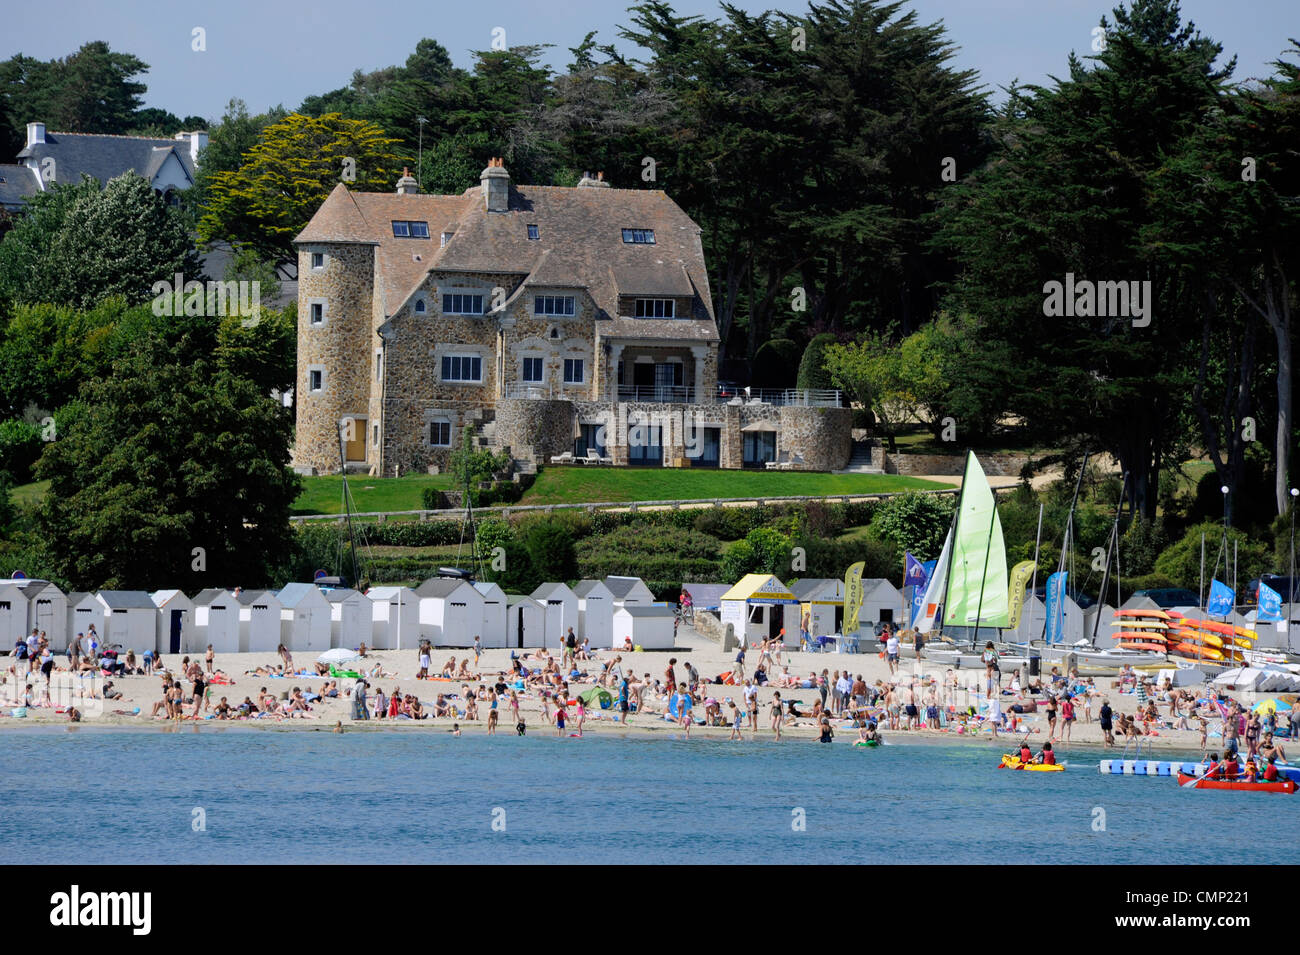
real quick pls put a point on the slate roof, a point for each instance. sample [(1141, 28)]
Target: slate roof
[(804, 589), (552, 590), (250, 597), (580, 246), (583, 587), (17, 185), (293, 594), (620, 587), (440, 587), (128, 600), (647, 610), (209, 594), (105, 157)]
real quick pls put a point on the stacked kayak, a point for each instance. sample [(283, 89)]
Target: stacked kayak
[(1142, 630), (1285, 786), (1013, 762), (1172, 633)]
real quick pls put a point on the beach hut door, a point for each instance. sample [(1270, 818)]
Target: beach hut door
[(519, 631), (178, 621), (775, 620)]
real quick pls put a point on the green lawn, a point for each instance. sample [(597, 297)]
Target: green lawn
[(29, 495), (324, 495), (576, 485)]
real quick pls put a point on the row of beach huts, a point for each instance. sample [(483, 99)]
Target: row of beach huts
[(309, 617)]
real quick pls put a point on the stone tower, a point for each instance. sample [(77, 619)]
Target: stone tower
[(336, 268)]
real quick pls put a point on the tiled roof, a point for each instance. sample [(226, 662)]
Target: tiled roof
[(106, 157), (580, 245)]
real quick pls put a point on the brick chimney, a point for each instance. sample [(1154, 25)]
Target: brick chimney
[(496, 185)]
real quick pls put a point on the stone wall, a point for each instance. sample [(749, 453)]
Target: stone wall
[(819, 435), (1008, 465), (339, 347), (534, 428)]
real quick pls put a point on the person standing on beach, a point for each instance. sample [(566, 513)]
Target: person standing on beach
[(478, 649), (286, 656), (836, 693), (751, 706), (891, 651), (736, 720), (1051, 716), (623, 695), (560, 714), (823, 686), (209, 658), (670, 676), (74, 651), (684, 709), (739, 672), (1067, 717), (776, 713), (1104, 717)]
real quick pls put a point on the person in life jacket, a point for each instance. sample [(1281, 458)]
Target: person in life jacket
[(1271, 775), (1231, 769), (1047, 757), (1026, 754), (1252, 774)]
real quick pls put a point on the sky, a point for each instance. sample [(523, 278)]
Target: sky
[(270, 52)]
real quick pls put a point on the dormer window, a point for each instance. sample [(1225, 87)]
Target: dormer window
[(639, 236), (533, 232), (407, 229), (446, 237), (654, 308)]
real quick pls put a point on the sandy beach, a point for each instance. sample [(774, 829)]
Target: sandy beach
[(399, 669)]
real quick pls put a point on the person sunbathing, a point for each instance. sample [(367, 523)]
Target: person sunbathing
[(449, 668), (463, 673)]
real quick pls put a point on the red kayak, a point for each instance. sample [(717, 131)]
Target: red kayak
[(1285, 786)]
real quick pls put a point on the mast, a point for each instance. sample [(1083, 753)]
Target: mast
[(956, 517), (1111, 542), (1065, 543), (979, 605), (1033, 585)]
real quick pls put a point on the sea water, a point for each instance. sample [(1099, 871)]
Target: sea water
[(234, 795)]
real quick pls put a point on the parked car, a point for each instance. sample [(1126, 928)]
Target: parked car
[(1079, 597), (1166, 597), (1281, 584)]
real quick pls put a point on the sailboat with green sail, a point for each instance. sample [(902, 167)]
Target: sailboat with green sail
[(967, 598)]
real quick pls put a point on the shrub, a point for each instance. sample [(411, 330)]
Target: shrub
[(914, 522), (812, 374), (20, 446), (1181, 563), (549, 545), (413, 533)]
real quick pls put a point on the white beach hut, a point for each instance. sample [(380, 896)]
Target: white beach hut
[(882, 602), (525, 622), (304, 618), (451, 611), (629, 590), (216, 622), (350, 623), (13, 613), (259, 621), (175, 620), (130, 619), (650, 626), (28, 603), (395, 618), (821, 600), (495, 612), (561, 605), (84, 612), (595, 613)]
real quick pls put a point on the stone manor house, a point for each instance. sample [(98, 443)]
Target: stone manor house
[(553, 321)]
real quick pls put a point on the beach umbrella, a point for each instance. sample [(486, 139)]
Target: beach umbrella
[(338, 655), (1272, 706)]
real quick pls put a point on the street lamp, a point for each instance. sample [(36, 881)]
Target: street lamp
[(419, 164)]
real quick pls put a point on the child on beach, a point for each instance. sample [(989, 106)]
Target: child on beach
[(736, 719), (776, 715), (560, 714), (492, 722), (684, 709)]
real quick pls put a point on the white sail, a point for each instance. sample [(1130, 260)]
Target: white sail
[(934, 589)]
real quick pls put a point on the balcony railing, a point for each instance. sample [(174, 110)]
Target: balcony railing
[(661, 394), (804, 397)]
